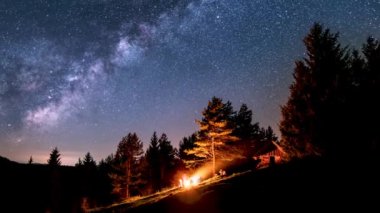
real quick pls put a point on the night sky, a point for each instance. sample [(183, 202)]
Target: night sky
[(80, 75)]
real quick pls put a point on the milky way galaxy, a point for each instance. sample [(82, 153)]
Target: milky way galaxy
[(79, 75)]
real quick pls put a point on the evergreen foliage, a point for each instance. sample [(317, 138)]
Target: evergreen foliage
[(55, 158)]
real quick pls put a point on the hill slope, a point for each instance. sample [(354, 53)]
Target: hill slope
[(298, 186)]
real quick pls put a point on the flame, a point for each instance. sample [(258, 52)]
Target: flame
[(189, 182)]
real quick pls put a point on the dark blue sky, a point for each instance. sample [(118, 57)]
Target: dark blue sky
[(79, 75)]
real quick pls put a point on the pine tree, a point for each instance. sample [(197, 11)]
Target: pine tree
[(30, 161), (311, 115), (371, 51), (269, 135), (369, 99), (105, 185), (55, 158), (127, 155), (166, 159), (187, 143), (79, 163), (91, 187), (247, 132), (153, 160), (216, 129), (88, 161)]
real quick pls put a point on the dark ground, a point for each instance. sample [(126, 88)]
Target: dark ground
[(302, 186), (38, 188)]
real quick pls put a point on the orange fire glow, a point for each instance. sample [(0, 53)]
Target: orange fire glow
[(189, 182)]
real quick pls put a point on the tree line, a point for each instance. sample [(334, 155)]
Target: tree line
[(225, 136)]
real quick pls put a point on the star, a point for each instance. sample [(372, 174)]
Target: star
[(72, 73)]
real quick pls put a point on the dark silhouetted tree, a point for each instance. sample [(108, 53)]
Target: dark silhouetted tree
[(104, 188), (88, 161), (247, 132), (153, 163), (142, 183), (30, 161), (369, 99), (333, 90), (266, 138), (79, 163), (269, 134), (313, 95), (166, 160), (187, 143), (55, 158), (90, 180)]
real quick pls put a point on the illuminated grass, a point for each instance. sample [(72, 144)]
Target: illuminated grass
[(138, 200), (143, 200)]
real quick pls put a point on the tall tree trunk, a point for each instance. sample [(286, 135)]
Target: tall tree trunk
[(128, 178), (213, 156), (162, 175)]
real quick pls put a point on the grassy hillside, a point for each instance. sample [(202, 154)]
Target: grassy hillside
[(305, 185)]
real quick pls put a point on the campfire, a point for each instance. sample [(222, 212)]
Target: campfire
[(186, 182)]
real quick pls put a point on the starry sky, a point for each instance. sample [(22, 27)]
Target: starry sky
[(80, 75)]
